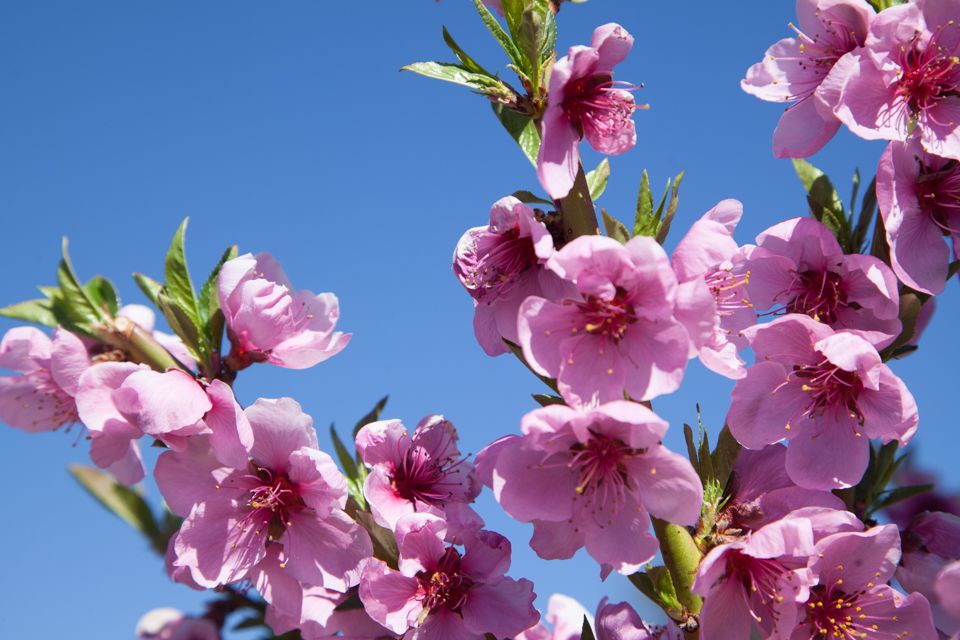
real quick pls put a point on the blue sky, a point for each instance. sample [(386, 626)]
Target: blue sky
[(287, 128)]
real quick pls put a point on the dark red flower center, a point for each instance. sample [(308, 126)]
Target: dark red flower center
[(499, 269), (938, 192), (929, 73), (270, 503), (834, 393), (598, 99), (446, 586), (608, 317), (818, 294)]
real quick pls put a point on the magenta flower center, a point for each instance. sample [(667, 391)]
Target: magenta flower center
[(819, 53), (928, 75), (270, 503), (758, 576), (818, 294), (446, 586), (833, 393), (421, 477), (834, 613), (599, 465), (46, 393), (608, 317), (939, 195), (499, 270), (597, 100)]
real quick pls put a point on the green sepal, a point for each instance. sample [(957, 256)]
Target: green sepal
[(178, 285), (39, 311), (127, 505), (150, 287), (526, 197), (614, 228), (103, 294), (597, 179), (521, 128)]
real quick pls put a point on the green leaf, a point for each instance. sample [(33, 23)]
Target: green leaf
[(250, 623), (879, 247), (72, 304), (545, 399), (825, 204), (384, 542), (867, 209), (909, 313), (706, 463), (494, 27), (725, 456), (521, 128), (468, 63), (664, 227), (586, 632), (657, 585), (124, 503), (952, 269), (459, 74), (373, 416), (209, 303), (900, 494), (352, 602), (691, 448), (527, 197), (614, 228), (529, 36), (880, 5), (597, 179), (549, 39), (103, 294), (150, 287), (346, 460), (642, 222), (38, 311), (182, 324), (179, 287)]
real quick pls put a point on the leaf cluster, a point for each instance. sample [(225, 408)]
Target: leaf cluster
[(871, 494), (648, 221)]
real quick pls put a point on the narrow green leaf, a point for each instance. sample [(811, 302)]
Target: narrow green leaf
[(725, 456), (521, 128), (494, 27), (879, 247), (124, 503), (468, 63), (885, 464), (39, 311), (825, 204), (250, 623), (183, 325), (597, 179), (663, 227), (384, 542), (103, 294), (209, 303), (867, 209), (529, 37), (546, 400), (179, 287), (73, 301), (691, 448), (458, 74), (706, 462), (373, 416), (614, 228), (346, 460), (527, 197), (952, 269), (586, 632), (549, 39), (909, 313), (642, 222), (900, 494), (150, 287)]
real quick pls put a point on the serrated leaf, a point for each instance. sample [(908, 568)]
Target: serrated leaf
[(458, 74), (597, 179), (39, 311), (663, 227), (468, 63), (209, 303), (527, 197), (182, 325), (499, 34), (150, 287), (725, 455), (72, 302), (529, 36), (549, 39), (123, 502), (373, 416), (642, 222), (545, 400), (103, 294), (179, 287), (614, 228), (900, 494), (521, 128)]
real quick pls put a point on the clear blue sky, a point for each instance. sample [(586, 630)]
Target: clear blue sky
[(287, 128)]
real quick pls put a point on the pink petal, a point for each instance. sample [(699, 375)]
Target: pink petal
[(280, 427), (325, 552)]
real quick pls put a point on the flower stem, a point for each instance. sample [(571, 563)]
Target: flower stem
[(579, 216), (682, 557)]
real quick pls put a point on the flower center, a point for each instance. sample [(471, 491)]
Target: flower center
[(727, 289), (598, 100), (758, 576), (599, 463), (928, 75), (818, 294), (833, 393), (939, 195), (47, 393), (271, 502), (419, 477), (446, 586), (608, 317), (819, 53), (498, 270)]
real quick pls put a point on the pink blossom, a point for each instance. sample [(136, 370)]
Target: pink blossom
[(710, 300), (566, 615), (618, 334), (418, 473), (905, 76), (918, 197), (445, 594), (620, 622), (171, 624), (827, 393), (590, 479), (799, 267), (948, 588), (289, 496), (793, 69), (851, 598), (319, 618), (500, 265), (584, 100), (42, 397), (268, 321), (930, 544)]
